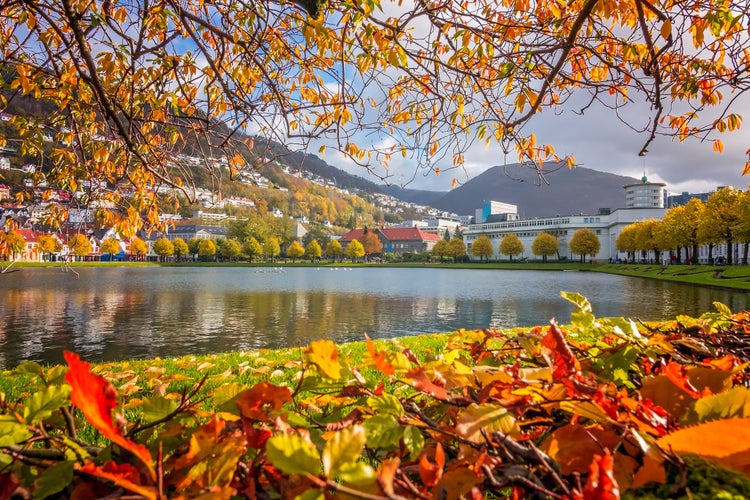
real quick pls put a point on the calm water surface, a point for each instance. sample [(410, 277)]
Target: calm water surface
[(140, 312)]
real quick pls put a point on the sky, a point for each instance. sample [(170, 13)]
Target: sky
[(599, 141)]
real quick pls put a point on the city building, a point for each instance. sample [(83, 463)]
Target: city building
[(491, 207), (397, 239), (645, 194)]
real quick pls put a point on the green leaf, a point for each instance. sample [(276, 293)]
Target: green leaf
[(387, 404), (293, 455), (358, 473), (345, 447), (722, 309), (382, 431), (581, 302), (224, 396), (12, 431), (56, 375), (157, 408), (734, 403), (41, 405), (310, 495), (53, 480), (29, 367), (414, 441)]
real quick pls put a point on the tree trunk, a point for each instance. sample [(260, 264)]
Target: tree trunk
[(729, 251)]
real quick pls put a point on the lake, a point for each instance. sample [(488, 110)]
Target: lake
[(120, 312)]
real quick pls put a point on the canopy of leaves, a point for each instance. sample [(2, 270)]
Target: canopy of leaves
[(482, 248), (371, 243), (545, 245), (127, 88), (355, 250), (511, 245), (584, 242)]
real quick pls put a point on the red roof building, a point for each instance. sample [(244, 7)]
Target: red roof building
[(397, 239)]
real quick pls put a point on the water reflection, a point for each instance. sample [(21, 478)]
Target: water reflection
[(125, 312)]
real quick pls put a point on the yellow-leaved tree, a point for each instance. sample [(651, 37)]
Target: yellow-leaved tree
[(125, 95)]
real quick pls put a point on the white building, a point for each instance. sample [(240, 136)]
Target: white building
[(645, 194), (606, 226)]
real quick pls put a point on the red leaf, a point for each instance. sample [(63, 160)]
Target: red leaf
[(379, 358), (432, 472), (8, 484), (123, 475), (558, 354), (96, 398), (256, 402), (422, 383), (601, 484)]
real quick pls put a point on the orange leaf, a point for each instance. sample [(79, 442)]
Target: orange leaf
[(123, 475), (678, 375), (96, 398), (724, 441), (379, 358), (421, 383), (386, 473), (256, 402), (601, 484), (432, 472)]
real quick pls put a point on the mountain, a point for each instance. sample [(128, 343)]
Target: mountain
[(570, 191), (418, 196)]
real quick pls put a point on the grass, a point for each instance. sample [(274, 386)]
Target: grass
[(731, 277)]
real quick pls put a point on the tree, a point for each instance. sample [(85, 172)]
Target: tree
[(271, 248), (545, 245), (444, 76), (295, 250), (252, 248), (206, 249), (626, 241), (679, 228), (13, 242), (720, 217), (355, 250), (371, 243), (48, 244), (79, 245), (180, 247), (138, 247), (440, 250), (584, 242), (334, 249), (648, 239), (163, 248), (313, 250), (510, 245), (482, 248), (456, 248), (110, 246), (230, 249)]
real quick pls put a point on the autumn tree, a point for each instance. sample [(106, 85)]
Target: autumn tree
[(133, 85), (271, 248), (626, 241), (679, 227), (49, 244), (584, 242), (545, 245), (440, 250), (482, 248), (313, 250), (648, 238), (295, 250), (138, 247), (230, 249), (180, 248), (110, 246), (456, 248), (206, 249), (193, 245), (371, 243), (79, 245), (252, 248), (354, 250), (720, 217), (334, 249), (13, 243), (163, 248), (511, 245)]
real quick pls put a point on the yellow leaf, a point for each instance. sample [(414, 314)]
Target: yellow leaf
[(718, 146), (324, 354), (666, 29)]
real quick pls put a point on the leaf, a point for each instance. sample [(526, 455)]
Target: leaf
[(257, 402), (734, 403), (558, 354), (123, 475), (457, 482), (41, 405), (485, 418), (344, 447), (421, 383), (724, 441), (413, 440), (157, 408), (293, 455), (387, 404), (601, 484), (53, 480), (324, 355), (96, 398), (358, 473), (666, 29), (30, 367), (430, 472), (383, 431), (12, 431), (379, 358)]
